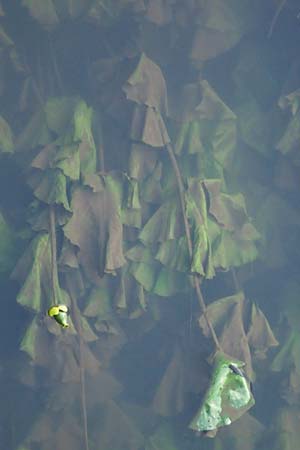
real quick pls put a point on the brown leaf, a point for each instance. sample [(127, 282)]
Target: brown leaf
[(146, 85), (237, 329), (96, 229), (148, 127), (183, 375)]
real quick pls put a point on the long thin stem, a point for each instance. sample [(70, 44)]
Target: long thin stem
[(78, 327), (54, 274), (189, 242)]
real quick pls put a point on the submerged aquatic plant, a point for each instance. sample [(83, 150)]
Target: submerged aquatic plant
[(137, 217)]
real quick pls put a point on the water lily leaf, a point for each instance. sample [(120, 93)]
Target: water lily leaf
[(83, 116), (148, 127), (227, 398), (239, 325), (96, 229), (99, 303), (229, 250), (146, 85), (142, 161), (33, 271), (166, 228), (129, 298), (165, 224), (6, 137), (126, 191), (288, 356), (50, 187), (181, 377), (59, 112), (169, 282), (207, 129)]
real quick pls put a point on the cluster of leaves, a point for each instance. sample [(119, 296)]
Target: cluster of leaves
[(134, 356)]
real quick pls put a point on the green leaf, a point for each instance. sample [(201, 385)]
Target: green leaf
[(227, 398), (59, 113), (50, 187), (83, 116), (29, 339), (33, 271), (99, 301), (126, 191), (240, 324)]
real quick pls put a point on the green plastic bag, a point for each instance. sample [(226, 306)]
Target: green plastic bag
[(228, 397)]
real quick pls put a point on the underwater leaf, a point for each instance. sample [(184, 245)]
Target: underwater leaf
[(146, 85), (148, 127), (6, 137), (260, 335), (98, 303), (126, 191), (165, 224), (95, 228), (143, 160), (29, 339), (207, 129), (181, 377), (230, 251), (50, 187), (33, 272), (169, 282), (288, 355), (83, 116), (227, 398), (129, 297), (34, 342), (234, 320), (59, 113)]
